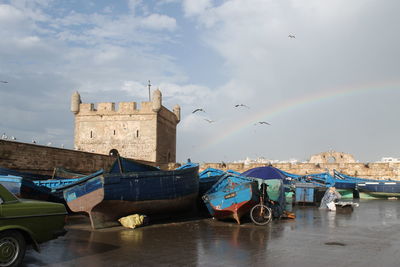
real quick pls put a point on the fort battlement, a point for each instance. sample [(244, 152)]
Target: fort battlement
[(145, 133), (116, 108)]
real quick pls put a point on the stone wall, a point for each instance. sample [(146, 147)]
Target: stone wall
[(43, 159), (332, 157), (166, 136), (364, 170)]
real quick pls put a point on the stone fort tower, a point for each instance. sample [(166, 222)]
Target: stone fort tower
[(148, 133)]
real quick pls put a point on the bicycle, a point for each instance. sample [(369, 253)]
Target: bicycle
[(261, 214)]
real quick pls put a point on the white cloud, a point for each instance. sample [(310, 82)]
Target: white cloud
[(195, 7), (52, 50), (10, 15), (29, 41), (159, 22), (189, 95)]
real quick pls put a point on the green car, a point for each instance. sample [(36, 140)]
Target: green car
[(26, 222)]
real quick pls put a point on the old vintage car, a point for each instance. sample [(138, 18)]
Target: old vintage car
[(26, 222)]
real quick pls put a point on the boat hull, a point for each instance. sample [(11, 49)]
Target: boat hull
[(235, 211), (45, 190), (231, 197), (382, 189), (108, 197)]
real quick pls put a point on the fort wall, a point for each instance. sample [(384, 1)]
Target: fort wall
[(146, 133), (364, 170), (39, 159), (43, 159)]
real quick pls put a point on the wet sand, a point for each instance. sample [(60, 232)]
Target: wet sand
[(368, 236)]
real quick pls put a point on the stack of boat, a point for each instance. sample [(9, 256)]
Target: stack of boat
[(128, 188), (349, 186)]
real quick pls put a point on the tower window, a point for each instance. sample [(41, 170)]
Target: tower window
[(114, 132), (91, 134), (137, 133)]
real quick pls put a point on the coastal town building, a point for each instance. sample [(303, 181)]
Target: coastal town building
[(146, 133)]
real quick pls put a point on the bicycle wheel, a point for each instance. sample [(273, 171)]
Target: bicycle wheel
[(261, 214)]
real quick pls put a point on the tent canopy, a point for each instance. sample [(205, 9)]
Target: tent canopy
[(266, 173)]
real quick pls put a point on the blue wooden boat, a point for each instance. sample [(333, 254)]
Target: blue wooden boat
[(347, 179), (372, 188), (209, 177), (24, 188), (47, 190), (15, 184), (231, 197), (58, 173), (57, 186), (380, 189), (121, 192)]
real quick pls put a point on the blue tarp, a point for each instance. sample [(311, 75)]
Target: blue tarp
[(266, 173)]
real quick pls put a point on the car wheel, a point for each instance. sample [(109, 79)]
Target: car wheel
[(12, 248)]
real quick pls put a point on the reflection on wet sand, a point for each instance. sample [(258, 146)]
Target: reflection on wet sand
[(232, 244), (368, 236)]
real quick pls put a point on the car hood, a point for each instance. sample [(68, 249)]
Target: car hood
[(26, 207)]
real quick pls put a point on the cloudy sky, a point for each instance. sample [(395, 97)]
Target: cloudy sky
[(336, 85)]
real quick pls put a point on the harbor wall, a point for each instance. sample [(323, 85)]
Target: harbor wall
[(43, 159), (364, 170)]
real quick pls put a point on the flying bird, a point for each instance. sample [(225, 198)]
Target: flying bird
[(262, 122), (3, 82), (209, 121), (292, 36), (198, 109), (241, 105)]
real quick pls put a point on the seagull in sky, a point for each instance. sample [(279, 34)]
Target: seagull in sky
[(209, 121), (3, 82), (197, 110), (241, 105), (292, 36), (262, 122)]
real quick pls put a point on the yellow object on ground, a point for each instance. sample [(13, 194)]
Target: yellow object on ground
[(132, 221), (288, 215)]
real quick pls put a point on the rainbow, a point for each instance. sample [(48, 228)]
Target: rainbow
[(293, 104)]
